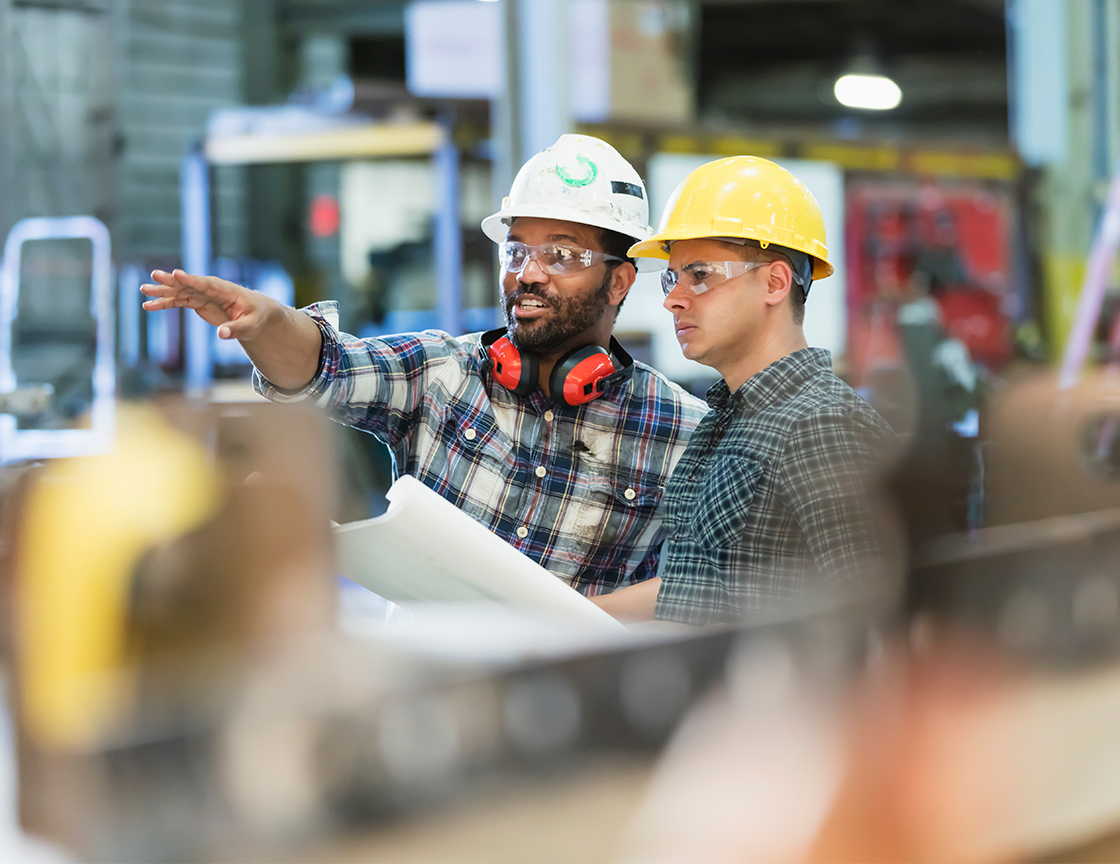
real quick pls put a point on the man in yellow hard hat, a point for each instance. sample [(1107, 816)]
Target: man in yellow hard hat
[(770, 502)]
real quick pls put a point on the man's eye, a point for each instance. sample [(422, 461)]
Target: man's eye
[(563, 254), (700, 274)]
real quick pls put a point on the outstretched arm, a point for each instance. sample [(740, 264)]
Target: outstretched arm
[(283, 344)]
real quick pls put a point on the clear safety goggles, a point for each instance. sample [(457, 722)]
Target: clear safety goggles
[(555, 259), (703, 276)]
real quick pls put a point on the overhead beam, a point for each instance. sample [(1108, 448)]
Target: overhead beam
[(368, 17), (346, 142), (82, 6)]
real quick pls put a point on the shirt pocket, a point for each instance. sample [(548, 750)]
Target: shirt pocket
[(479, 466), (725, 501), (613, 511)]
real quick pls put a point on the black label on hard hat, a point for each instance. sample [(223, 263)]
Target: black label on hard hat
[(621, 187)]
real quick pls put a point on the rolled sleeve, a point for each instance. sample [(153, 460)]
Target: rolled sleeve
[(325, 316)]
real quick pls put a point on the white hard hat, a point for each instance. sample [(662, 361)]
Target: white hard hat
[(577, 179)]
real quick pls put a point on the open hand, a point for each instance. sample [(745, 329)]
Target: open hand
[(237, 312)]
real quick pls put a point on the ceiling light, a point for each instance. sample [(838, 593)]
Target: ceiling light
[(870, 92)]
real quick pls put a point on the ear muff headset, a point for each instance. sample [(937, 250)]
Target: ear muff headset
[(578, 376), (515, 371), (585, 373)]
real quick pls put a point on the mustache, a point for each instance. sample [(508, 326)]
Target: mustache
[(526, 290)]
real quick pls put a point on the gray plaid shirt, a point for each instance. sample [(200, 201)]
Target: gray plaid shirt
[(769, 501)]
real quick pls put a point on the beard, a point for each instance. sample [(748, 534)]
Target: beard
[(570, 317)]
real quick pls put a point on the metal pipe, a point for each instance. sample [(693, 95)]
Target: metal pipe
[(5, 123), (1093, 287), (447, 240), (505, 123), (194, 186)]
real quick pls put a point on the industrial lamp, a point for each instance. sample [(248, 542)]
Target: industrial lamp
[(863, 85)]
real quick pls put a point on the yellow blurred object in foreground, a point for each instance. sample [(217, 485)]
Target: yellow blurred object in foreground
[(87, 524)]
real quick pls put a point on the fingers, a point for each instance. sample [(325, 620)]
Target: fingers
[(237, 312), (162, 302), (203, 284), (163, 277), (164, 297), (167, 286), (180, 280), (189, 290)]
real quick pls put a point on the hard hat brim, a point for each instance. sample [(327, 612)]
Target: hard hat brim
[(654, 248), (496, 225)]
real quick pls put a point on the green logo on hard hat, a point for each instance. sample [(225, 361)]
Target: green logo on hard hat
[(589, 174)]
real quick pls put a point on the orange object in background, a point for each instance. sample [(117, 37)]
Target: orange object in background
[(906, 239), (973, 316), (325, 216)]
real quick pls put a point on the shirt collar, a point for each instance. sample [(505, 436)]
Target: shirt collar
[(773, 383)]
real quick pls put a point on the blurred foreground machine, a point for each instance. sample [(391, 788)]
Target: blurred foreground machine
[(1043, 579), (182, 692), (143, 585)]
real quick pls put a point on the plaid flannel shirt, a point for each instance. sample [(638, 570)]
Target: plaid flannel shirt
[(770, 501), (575, 489)]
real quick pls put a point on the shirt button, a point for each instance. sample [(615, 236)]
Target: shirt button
[(469, 434), (549, 416), (541, 471), (630, 494), (522, 532)]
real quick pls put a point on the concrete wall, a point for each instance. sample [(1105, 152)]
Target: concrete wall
[(99, 103), (57, 112), (179, 61)]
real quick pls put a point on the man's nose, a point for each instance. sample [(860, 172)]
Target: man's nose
[(677, 298), (536, 269)]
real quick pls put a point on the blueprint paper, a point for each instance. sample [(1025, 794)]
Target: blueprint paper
[(426, 550)]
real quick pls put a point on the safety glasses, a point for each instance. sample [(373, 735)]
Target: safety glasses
[(554, 258), (702, 276)]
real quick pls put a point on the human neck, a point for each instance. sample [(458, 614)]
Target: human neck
[(545, 362), (745, 366)]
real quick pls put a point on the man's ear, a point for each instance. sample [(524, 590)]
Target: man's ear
[(778, 282), (622, 280)]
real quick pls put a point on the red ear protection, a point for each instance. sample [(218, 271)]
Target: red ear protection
[(513, 370), (578, 376), (582, 375)]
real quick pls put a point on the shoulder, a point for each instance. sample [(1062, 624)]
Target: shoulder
[(651, 386), (434, 344), (430, 346), (828, 412)]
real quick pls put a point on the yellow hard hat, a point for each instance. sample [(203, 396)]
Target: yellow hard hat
[(742, 197)]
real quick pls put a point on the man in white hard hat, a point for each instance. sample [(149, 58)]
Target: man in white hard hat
[(545, 430), (774, 500)]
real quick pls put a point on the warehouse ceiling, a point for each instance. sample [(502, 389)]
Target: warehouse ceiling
[(773, 63), (769, 65)]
